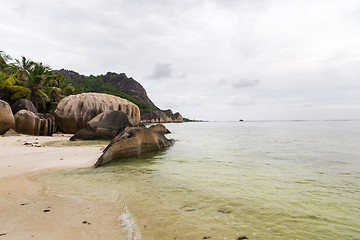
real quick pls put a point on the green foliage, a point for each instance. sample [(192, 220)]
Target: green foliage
[(8, 84), (44, 88), (168, 114), (33, 81), (96, 84)]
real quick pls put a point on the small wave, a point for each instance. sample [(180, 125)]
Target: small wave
[(128, 222)]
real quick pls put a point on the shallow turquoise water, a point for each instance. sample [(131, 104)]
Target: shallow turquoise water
[(262, 180)]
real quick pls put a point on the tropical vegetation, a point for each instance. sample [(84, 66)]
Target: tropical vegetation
[(45, 87), (33, 81)]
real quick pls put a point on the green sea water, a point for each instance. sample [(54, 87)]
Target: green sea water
[(225, 180)]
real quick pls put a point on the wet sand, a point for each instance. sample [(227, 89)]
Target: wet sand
[(29, 210)]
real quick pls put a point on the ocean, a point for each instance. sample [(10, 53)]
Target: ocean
[(235, 180)]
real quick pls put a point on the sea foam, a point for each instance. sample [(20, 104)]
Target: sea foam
[(127, 221)]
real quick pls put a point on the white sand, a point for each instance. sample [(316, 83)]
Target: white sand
[(23, 200), (17, 158)]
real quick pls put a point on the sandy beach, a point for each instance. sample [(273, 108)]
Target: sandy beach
[(30, 210)]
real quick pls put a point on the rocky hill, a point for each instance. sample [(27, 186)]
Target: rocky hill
[(129, 86), (125, 87)]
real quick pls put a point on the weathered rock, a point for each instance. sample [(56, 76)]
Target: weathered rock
[(174, 117), (128, 86), (177, 117), (10, 133), (27, 122), (74, 111), (104, 126), (160, 128), (161, 116), (23, 104), (133, 142), (155, 117), (48, 128), (7, 120)]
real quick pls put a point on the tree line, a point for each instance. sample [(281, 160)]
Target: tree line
[(33, 81)]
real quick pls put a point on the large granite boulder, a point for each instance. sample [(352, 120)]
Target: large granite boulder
[(27, 122), (133, 142), (7, 120), (23, 104), (104, 126), (74, 111), (160, 128)]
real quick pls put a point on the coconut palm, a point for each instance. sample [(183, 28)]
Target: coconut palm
[(4, 58), (59, 88), (5, 66), (35, 78), (25, 65), (9, 77), (8, 84)]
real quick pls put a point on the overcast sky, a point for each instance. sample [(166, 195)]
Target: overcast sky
[(207, 59)]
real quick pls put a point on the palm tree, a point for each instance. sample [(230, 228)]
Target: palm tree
[(35, 78), (8, 85), (33, 81), (25, 65), (9, 77), (5, 66), (4, 58)]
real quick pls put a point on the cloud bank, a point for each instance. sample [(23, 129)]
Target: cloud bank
[(304, 53)]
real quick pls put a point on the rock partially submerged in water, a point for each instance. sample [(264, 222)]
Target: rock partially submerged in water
[(160, 128), (104, 126), (134, 141)]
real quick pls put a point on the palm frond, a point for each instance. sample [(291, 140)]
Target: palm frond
[(24, 93)]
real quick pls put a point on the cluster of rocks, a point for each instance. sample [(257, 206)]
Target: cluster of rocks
[(37, 124), (89, 116), (161, 116), (23, 117)]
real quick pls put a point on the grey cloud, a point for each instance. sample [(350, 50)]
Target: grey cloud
[(164, 70), (243, 83), (220, 44), (222, 82)]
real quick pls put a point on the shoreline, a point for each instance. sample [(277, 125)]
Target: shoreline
[(30, 210)]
